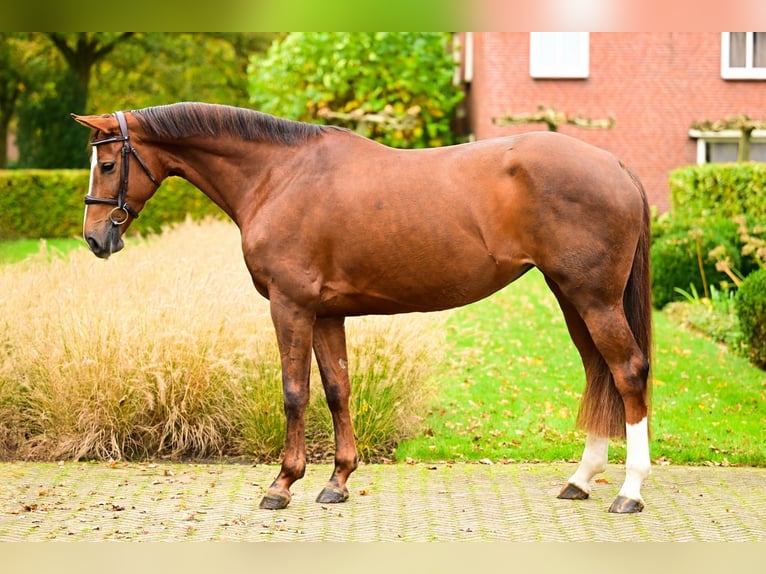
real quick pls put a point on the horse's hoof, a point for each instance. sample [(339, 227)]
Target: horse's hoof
[(573, 492), (332, 495), (272, 501), (625, 505)]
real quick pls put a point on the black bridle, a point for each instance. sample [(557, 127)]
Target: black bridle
[(120, 202)]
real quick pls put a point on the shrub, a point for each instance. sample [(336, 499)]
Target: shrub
[(716, 316), (48, 203), (723, 190), (681, 258), (751, 310)]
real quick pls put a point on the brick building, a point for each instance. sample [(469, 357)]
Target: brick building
[(655, 86)]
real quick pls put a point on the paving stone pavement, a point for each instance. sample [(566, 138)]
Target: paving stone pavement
[(402, 502)]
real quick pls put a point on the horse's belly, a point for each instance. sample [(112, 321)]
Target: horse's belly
[(433, 288)]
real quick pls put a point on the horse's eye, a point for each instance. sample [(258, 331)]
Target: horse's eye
[(107, 167)]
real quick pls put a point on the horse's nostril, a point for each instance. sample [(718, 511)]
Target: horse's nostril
[(93, 244)]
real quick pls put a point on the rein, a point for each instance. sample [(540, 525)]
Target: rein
[(121, 205)]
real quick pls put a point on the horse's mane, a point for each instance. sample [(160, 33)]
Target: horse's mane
[(187, 119)]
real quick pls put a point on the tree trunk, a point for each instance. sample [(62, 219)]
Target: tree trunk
[(743, 153)]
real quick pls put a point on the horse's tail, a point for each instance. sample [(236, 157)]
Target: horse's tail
[(637, 300), (603, 410)]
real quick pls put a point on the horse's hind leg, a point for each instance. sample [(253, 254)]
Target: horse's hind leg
[(330, 351), (609, 335), (630, 369), (594, 457)]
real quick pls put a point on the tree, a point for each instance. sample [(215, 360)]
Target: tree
[(160, 68), (10, 91), (47, 136), (83, 50), (374, 82), (91, 72), (553, 119)]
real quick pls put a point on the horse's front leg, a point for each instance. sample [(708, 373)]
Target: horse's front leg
[(330, 351), (293, 327)]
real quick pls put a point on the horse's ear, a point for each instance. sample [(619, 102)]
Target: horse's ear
[(102, 123)]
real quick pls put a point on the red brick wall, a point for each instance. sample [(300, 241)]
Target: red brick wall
[(655, 85)]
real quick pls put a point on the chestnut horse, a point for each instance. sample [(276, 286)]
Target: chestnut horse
[(336, 225)]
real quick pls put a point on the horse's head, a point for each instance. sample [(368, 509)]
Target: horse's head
[(119, 187)]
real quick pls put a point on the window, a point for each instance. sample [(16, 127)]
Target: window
[(558, 54), (722, 147), (743, 55)]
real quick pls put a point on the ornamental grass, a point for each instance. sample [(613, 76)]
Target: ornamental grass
[(167, 351)]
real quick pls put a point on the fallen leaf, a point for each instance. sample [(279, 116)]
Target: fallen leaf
[(602, 481), (364, 492)]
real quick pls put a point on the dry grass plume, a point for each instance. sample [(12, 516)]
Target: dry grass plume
[(166, 350)]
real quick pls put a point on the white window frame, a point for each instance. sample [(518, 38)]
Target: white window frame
[(463, 53), (749, 72), (726, 136), (554, 55)]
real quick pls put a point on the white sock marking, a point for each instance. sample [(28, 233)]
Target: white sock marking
[(637, 463), (593, 461)]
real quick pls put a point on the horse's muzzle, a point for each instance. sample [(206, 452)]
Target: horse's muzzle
[(106, 243)]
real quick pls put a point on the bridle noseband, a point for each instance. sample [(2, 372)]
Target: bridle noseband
[(120, 203)]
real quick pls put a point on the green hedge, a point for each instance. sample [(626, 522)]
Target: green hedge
[(49, 203), (723, 189), (705, 199), (751, 310)]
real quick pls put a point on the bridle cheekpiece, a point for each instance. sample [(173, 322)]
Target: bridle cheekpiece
[(122, 210)]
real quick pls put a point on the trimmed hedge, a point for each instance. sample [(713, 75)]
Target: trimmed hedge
[(722, 189), (751, 311), (49, 203)]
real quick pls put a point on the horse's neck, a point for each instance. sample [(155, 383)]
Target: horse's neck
[(228, 173)]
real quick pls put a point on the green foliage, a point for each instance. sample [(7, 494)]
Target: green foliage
[(681, 258), (714, 316), (45, 76), (304, 74), (724, 190), (48, 203), (698, 261), (712, 233), (47, 137), (751, 310), (157, 68)]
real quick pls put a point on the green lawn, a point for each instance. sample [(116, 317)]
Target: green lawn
[(14, 251), (511, 383)]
